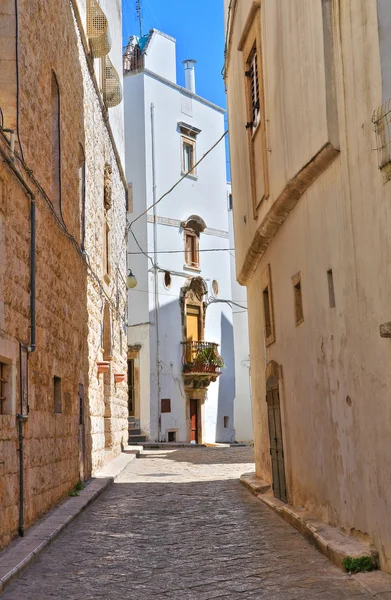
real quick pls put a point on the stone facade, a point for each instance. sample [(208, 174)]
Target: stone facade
[(311, 212), (69, 406)]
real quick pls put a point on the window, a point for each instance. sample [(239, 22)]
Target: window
[(192, 251), (298, 299), (107, 187), (131, 387), (57, 395), (229, 201), (215, 287), (5, 388), (226, 421), (171, 436), (166, 405), (266, 312), (267, 305), (188, 156), (252, 74), (330, 281), (55, 144), (107, 337), (167, 280), (255, 107), (106, 253), (82, 194)]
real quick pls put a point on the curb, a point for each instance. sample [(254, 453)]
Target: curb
[(24, 552), (332, 542)]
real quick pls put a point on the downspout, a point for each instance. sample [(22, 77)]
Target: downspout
[(22, 418), (155, 268)]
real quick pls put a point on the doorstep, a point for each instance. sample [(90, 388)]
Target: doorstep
[(22, 552)]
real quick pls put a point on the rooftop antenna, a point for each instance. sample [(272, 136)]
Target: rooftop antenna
[(139, 16)]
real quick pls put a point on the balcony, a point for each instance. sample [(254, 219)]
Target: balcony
[(202, 364)]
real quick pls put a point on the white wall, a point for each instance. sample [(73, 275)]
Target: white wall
[(160, 55), (242, 407), (206, 197)]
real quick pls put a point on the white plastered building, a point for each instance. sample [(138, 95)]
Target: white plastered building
[(180, 316)]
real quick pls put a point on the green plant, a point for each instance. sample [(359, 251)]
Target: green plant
[(209, 357), (77, 489), (359, 564)]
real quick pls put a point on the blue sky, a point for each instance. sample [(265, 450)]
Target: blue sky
[(198, 27)]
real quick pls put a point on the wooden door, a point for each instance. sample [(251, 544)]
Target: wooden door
[(81, 432), (131, 386), (276, 443), (194, 421)]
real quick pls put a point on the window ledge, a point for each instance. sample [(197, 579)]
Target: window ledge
[(190, 176), (189, 268), (300, 322)]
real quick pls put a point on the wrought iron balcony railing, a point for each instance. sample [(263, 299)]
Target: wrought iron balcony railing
[(201, 358)]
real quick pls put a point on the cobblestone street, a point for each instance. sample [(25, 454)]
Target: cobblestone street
[(179, 525)]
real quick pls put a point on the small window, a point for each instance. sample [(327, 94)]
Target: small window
[(57, 395), (267, 305), (330, 281), (192, 252), (167, 280), (171, 436), (299, 315), (56, 144), (188, 156), (82, 194), (266, 312), (107, 187), (229, 201), (254, 89), (106, 252), (226, 421), (5, 388), (215, 287), (166, 405)]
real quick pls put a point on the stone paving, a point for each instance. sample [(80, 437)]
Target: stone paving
[(178, 525)]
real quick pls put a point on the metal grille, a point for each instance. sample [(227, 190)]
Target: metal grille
[(98, 30), (3, 382), (382, 122), (201, 357), (111, 85)]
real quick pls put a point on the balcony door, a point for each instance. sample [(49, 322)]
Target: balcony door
[(193, 324)]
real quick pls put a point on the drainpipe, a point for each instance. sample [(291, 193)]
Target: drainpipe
[(32, 347), (155, 267)]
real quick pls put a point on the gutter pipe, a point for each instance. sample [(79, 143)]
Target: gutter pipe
[(156, 268)]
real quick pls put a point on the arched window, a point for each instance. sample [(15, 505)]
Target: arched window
[(55, 143)]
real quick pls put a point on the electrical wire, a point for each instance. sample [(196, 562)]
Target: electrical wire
[(179, 181), (181, 251)]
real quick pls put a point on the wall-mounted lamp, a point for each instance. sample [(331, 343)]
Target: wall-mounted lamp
[(131, 280)]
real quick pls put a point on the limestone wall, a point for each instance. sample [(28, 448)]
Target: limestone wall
[(334, 366)]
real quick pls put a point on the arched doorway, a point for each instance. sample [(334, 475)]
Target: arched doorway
[(275, 431)]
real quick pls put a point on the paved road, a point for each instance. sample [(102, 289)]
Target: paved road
[(177, 525)]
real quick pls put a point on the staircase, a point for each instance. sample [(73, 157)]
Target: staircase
[(135, 435)]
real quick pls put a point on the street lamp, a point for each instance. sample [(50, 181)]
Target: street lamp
[(131, 280)]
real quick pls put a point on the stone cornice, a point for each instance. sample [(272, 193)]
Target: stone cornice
[(281, 208)]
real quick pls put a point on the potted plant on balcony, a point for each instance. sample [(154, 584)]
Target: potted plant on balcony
[(208, 360)]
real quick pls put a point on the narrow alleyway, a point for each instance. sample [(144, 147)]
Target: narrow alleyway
[(179, 525)]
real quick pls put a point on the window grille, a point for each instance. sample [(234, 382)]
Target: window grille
[(98, 30), (256, 109), (111, 84), (382, 122), (3, 383)]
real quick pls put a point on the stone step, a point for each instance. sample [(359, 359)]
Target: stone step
[(134, 431), (137, 439)]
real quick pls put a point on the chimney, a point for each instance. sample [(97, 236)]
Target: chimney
[(190, 74)]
